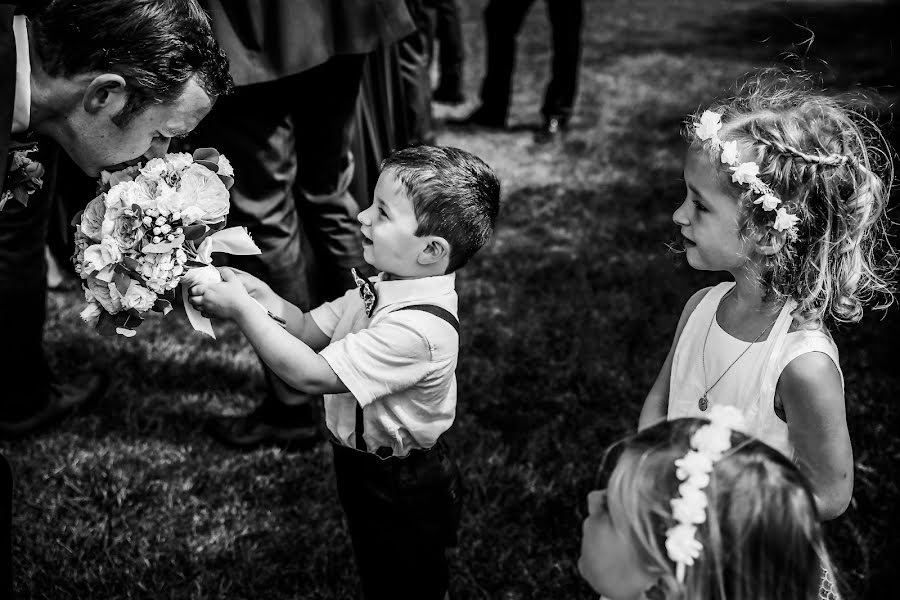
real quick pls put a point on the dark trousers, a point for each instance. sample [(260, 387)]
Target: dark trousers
[(414, 54), (403, 513), (448, 34), (23, 296), (503, 19), (289, 143), (6, 489)]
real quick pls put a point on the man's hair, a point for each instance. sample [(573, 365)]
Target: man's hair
[(454, 194), (155, 45)]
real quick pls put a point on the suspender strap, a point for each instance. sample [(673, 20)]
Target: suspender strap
[(438, 312)]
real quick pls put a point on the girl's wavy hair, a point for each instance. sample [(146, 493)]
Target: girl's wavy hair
[(831, 166), (761, 540)]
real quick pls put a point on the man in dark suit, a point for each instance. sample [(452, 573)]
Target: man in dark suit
[(109, 81), (502, 21), (287, 131)]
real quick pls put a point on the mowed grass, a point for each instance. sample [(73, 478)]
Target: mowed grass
[(566, 319)]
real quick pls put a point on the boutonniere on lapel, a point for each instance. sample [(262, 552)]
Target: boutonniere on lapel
[(23, 175)]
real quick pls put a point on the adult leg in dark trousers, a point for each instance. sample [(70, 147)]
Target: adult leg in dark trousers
[(6, 489), (31, 399), (288, 141), (451, 53), (559, 98), (414, 52)]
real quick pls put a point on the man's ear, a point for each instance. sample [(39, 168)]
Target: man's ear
[(106, 91), (437, 249)]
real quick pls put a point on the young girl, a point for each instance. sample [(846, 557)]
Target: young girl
[(697, 510), (786, 190)]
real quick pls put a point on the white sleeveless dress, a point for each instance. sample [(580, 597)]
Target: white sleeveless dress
[(750, 384)]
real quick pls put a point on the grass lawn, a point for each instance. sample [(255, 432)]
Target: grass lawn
[(566, 317)]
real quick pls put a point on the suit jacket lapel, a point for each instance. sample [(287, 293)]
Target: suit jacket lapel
[(7, 83)]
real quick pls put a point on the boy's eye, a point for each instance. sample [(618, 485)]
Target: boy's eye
[(381, 212), (700, 206)]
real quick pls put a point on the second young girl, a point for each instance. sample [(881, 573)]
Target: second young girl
[(786, 190)]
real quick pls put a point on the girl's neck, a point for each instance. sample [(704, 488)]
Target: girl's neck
[(748, 296)]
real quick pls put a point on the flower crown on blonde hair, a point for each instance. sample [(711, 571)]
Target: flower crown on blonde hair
[(745, 173), (708, 444)]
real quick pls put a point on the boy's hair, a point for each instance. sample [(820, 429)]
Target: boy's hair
[(832, 168), (155, 45), (761, 539), (454, 194)]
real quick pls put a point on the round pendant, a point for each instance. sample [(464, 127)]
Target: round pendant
[(703, 403)]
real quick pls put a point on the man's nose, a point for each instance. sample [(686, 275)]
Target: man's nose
[(158, 148)]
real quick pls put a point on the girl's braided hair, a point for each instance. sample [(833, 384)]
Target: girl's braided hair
[(832, 167)]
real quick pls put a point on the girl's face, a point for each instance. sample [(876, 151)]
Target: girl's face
[(709, 219), (610, 561)]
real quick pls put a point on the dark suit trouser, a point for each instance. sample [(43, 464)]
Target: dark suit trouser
[(414, 53), (24, 373), (289, 143), (503, 19), (448, 33)]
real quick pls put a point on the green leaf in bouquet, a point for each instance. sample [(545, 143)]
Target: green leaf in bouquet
[(131, 263), (217, 226), (20, 194), (137, 210), (162, 305), (194, 263), (121, 280), (208, 157), (134, 319), (195, 232), (228, 180), (76, 220), (106, 324)]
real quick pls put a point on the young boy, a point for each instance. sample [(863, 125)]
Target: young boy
[(385, 358)]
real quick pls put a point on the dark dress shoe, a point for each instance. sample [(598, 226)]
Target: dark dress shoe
[(479, 118), (255, 430), (552, 129), (65, 399), (445, 95)]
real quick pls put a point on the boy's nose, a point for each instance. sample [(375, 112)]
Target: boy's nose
[(363, 216), (680, 217)]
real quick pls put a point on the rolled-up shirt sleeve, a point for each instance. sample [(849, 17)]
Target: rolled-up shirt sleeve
[(380, 360), (326, 316)]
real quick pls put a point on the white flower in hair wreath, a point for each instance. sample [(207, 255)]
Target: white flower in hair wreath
[(745, 173), (708, 444)]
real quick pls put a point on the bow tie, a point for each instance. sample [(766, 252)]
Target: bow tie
[(366, 292)]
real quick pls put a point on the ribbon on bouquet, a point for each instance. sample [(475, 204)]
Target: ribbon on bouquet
[(234, 240)]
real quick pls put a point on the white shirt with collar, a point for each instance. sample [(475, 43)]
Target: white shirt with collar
[(22, 105), (399, 366)]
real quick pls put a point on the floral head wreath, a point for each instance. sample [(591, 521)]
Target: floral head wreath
[(708, 444), (745, 173)]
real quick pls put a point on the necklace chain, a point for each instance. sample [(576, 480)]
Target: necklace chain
[(703, 402)]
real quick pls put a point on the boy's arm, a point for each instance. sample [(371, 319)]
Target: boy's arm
[(297, 322), (294, 361), (810, 390), (656, 403)]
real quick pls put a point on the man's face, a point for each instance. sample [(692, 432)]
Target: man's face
[(96, 143)]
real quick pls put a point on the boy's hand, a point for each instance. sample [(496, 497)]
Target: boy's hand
[(223, 300), (255, 286)]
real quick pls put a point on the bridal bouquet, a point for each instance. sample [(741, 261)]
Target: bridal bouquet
[(149, 227)]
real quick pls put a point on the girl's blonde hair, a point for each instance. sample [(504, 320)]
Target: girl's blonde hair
[(831, 167), (761, 539)]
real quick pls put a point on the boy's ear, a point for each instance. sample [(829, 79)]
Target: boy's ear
[(437, 249), (104, 91)]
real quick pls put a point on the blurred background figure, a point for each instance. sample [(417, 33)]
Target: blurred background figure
[(287, 130), (502, 21), (445, 20)]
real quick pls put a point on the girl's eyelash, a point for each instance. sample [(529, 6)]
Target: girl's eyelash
[(699, 206)]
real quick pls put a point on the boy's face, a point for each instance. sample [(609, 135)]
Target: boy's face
[(389, 228)]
